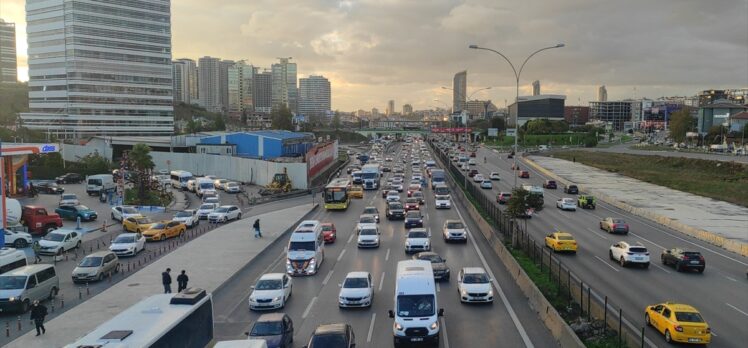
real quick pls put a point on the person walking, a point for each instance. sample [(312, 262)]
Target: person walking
[(166, 280), (38, 312), (182, 280), (256, 226), (36, 247)]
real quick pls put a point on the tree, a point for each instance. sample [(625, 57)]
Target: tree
[(95, 164), (681, 123), (336, 121), (192, 127), (498, 122), (716, 135), (219, 124), (141, 164), (282, 118), (522, 200)]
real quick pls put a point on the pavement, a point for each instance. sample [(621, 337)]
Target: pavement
[(626, 148), (233, 246)]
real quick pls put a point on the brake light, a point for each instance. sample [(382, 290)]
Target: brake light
[(678, 328), (708, 330), (701, 258)]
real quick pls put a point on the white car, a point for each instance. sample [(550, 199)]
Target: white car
[(128, 244), (454, 230), (471, 161), (357, 290), (120, 213), (494, 176), (417, 177), (368, 237), (486, 184), (566, 204), (442, 202), (17, 239), (205, 209), (393, 196), (233, 187), (271, 291), (225, 213), (474, 285), (213, 199), (627, 254), (59, 241), (417, 240), (218, 183), (366, 221), (478, 178), (465, 167), (188, 217), (398, 186), (69, 199)]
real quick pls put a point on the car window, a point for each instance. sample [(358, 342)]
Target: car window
[(689, 317), (666, 313)]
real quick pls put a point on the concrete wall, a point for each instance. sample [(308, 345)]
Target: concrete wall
[(73, 153)]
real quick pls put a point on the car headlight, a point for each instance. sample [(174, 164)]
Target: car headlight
[(463, 292), (12, 299), (252, 299), (398, 327), (434, 325), (277, 298), (490, 292), (407, 243)]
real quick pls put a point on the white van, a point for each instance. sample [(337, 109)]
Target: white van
[(19, 288), (11, 259), (248, 343), (97, 183), (416, 315), (306, 249), (203, 186)]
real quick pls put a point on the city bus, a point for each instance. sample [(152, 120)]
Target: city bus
[(179, 179), (336, 194)]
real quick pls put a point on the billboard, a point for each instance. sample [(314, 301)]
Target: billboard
[(493, 132), (451, 130), (319, 158)]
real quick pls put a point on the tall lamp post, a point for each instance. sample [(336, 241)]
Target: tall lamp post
[(516, 99)]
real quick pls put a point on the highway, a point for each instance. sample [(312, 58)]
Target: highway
[(507, 322), (720, 293)]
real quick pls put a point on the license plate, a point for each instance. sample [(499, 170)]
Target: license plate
[(694, 340), (416, 339), (694, 262)]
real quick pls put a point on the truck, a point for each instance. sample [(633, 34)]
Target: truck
[(203, 186), (34, 217), (95, 184), (370, 174), (438, 176)]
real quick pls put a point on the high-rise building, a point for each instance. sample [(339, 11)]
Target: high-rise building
[(459, 91), (615, 113), (8, 62), (100, 68), (478, 109), (209, 83), (602, 94), (374, 112), (536, 88), (314, 96), (190, 85), (262, 91), (407, 109), (390, 110), (223, 83), (240, 81), (285, 91)]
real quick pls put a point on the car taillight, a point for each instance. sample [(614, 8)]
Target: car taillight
[(701, 258), (678, 328), (708, 330)]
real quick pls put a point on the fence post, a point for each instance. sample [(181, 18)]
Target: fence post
[(568, 284), (541, 260), (642, 336), (589, 301), (605, 312), (620, 324), (581, 298), (559, 280)]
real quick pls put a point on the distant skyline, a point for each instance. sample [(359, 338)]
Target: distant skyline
[(373, 51)]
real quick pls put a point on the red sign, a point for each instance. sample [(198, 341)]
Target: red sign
[(319, 157), (451, 130)]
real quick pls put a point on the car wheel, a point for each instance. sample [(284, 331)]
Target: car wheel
[(668, 339), (116, 268), (610, 255), (113, 217), (239, 217), (646, 320), (622, 262), (25, 306), (20, 243), (78, 245), (49, 228), (701, 270), (53, 293), (101, 276), (678, 268)]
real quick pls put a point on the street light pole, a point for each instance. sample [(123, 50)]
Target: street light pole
[(516, 99)]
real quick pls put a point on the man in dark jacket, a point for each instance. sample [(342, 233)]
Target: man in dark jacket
[(258, 234), (182, 280), (38, 312), (166, 280)]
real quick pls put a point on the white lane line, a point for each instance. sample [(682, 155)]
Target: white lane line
[(737, 309), (597, 234), (427, 216), (438, 288), (658, 266), (655, 244), (341, 255), (309, 307), (381, 282), (607, 264), (371, 327), (733, 279), (327, 278), (350, 238), (444, 331), (387, 256), (504, 300)]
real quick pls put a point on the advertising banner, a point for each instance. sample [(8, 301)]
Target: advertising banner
[(320, 157), (451, 130)]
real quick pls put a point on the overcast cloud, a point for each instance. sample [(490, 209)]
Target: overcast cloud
[(376, 50)]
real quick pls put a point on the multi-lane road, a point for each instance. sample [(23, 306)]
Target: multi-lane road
[(720, 293), (507, 322)]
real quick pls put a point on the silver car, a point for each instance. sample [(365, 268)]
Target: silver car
[(96, 267)]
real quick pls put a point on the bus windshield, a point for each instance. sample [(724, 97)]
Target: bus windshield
[(335, 195)]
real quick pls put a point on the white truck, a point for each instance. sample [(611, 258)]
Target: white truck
[(95, 184), (203, 186), (416, 315)]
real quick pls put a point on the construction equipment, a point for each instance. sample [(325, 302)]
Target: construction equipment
[(281, 183)]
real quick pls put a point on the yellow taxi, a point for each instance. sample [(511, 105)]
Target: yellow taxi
[(561, 241), (137, 223), (678, 322), (163, 230), (356, 191)]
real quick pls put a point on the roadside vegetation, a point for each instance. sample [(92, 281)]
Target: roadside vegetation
[(725, 181)]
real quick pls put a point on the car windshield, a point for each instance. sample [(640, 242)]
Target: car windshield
[(368, 232), (301, 246), (232, 184), (455, 225), (183, 214), (370, 210), (124, 239), (565, 238), (12, 282), (417, 194), (267, 328), (356, 283), (417, 234), (618, 221), (269, 284), (326, 227), (158, 226), (67, 197), (129, 210), (328, 341), (91, 261), (431, 257), (367, 220), (475, 278), (410, 306), (222, 210), (206, 185), (688, 317), (206, 207), (143, 221), (413, 215), (54, 237), (412, 200), (81, 207), (396, 206)]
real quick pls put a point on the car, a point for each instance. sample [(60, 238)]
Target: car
[(472, 172), (586, 202), (454, 230), (417, 240), (371, 210), (271, 291), (187, 217), (163, 230), (472, 154), (69, 178), (205, 209), (413, 218), (357, 290), (571, 189), (486, 184), (419, 196), (225, 213), (678, 323), (275, 329), (387, 189), (73, 212), (352, 169), (96, 267), (59, 241), (471, 162), (626, 254), (524, 174), (566, 204), (438, 264), (329, 232), (218, 183), (17, 239), (128, 244), (356, 191), (368, 236), (503, 197), (474, 285), (366, 220), (494, 176), (120, 213), (137, 223), (510, 155), (561, 241), (683, 260), (69, 199), (614, 225), (395, 211), (412, 188), (207, 198), (478, 178), (232, 187), (549, 184), (412, 204), (392, 196), (398, 186), (49, 188), (332, 336)]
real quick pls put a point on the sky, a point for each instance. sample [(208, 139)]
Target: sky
[(406, 50)]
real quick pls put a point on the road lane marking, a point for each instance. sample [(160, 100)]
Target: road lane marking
[(381, 282), (597, 234), (444, 331), (607, 264), (655, 244), (387, 256), (733, 279), (737, 309), (658, 266), (341, 255), (438, 288), (309, 307), (327, 278), (350, 238), (371, 327)]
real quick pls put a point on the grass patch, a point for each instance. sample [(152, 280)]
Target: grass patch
[(548, 287), (603, 342), (153, 198), (725, 181), (542, 139)]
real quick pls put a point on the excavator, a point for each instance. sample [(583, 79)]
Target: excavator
[(281, 183)]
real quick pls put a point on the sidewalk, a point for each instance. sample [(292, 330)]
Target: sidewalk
[(719, 223), (209, 260)]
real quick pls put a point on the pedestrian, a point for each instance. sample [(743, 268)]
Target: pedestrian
[(574, 159), (256, 226), (182, 280), (166, 280), (36, 247), (38, 312)]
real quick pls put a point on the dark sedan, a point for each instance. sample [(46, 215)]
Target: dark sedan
[(69, 178), (571, 189), (438, 264), (550, 184), (413, 218), (683, 260), (395, 211), (332, 336), (276, 329), (49, 188)]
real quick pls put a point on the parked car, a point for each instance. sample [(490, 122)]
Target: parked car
[(614, 225), (276, 329), (49, 188), (683, 260), (128, 244), (332, 336), (59, 241), (187, 217), (271, 291), (120, 213), (474, 285), (17, 239), (69, 178), (95, 267), (73, 212), (68, 199), (38, 221), (438, 264), (357, 290), (225, 213)]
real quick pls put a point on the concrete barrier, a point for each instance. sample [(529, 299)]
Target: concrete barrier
[(709, 237)]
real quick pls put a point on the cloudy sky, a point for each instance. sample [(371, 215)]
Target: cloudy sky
[(376, 50)]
